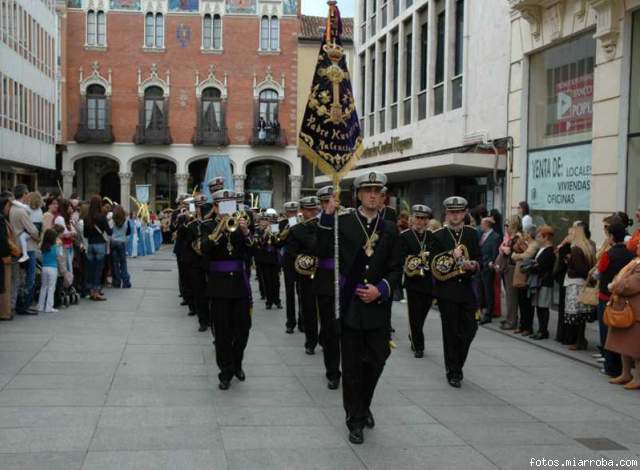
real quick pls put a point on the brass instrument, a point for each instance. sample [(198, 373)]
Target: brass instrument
[(445, 266), (417, 265), (229, 224), (306, 265)]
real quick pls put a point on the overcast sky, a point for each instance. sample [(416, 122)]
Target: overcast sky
[(319, 7)]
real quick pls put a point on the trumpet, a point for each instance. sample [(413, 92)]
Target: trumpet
[(229, 224)]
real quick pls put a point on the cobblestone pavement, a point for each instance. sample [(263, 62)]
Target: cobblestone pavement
[(131, 384)]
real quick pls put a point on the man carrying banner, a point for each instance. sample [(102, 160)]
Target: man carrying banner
[(370, 268)]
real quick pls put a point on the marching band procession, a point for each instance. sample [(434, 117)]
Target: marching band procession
[(217, 245)]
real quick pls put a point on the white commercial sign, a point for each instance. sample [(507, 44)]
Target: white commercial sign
[(560, 179)]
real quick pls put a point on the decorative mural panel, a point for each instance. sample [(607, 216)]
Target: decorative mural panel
[(289, 7), (183, 5), (242, 6), (125, 5), (74, 3)]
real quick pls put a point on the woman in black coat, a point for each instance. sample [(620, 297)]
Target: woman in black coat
[(542, 280)]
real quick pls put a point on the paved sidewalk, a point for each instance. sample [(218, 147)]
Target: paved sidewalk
[(131, 384)]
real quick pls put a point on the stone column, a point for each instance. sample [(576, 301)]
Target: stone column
[(296, 186), (182, 180), (125, 190), (238, 183), (67, 182)]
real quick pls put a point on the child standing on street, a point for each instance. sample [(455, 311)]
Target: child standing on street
[(50, 251)]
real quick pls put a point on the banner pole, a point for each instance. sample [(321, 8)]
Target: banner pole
[(336, 255)]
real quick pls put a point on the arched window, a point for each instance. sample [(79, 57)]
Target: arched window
[(159, 30), (101, 29), (154, 30), (211, 109), (91, 28), (212, 32), (264, 33), (96, 28), (154, 111), (149, 30), (96, 107), (275, 33), (268, 101)]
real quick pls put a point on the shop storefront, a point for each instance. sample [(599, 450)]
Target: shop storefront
[(560, 117)]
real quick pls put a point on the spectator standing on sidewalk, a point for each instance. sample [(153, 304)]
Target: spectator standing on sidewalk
[(634, 242), (489, 243), (97, 232), (609, 265), (6, 237), (521, 253), (506, 267), (580, 260), (626, 341), (24, 276), (541, 281), (523, 212), (121, 230)]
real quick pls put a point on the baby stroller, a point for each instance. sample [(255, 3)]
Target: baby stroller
[(68, 294)]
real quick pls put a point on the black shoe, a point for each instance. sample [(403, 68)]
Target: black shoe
[(507, 326), (289, 331), (262, 297), (240, 375), (333, 384), (192, 314), (310, 351), (203, 328), (538, 336), (455, 382), (418, 354), (279, 306), (356, 436), (224, 384), (268, 307), (184, 302), (485, 320), (27, 312), (370, 422), (301, 328)]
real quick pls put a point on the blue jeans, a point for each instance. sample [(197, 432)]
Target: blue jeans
[(25, 295), (612, 361), (95, 263), (119, 263)]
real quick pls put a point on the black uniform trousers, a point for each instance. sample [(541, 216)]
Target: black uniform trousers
[(458, 330), (290, 290), (364, 353), (260, 277), (198, 285), (419, 305), (487, 281), (184, 267), (271, 277), (181, 276), (232, 322), (329, 335), (309, 311)]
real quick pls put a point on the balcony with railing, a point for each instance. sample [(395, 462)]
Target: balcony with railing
[(94, 126), (208, 136), (153, 123), (268, 135)]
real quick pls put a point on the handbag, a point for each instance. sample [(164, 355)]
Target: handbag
[(589, 295), (520, 279), (619, 318), (107, 240)]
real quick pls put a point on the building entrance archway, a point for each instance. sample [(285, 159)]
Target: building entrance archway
[(270, 180), (160, 175), (97, 175)]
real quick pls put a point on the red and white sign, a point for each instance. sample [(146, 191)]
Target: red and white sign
[(574, 112)]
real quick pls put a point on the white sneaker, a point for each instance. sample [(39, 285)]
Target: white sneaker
[(53, 310), (403, 301), (600, 359), (596, 355), (23, 259)]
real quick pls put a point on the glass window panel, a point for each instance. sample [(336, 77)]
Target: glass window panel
[(396, 67), (91, 113), (149, 27), (438, 99), (633, 176), (372, 89), (456, 98), (159, 30), (561, 93), (440, 43), (459, 37), (206, 32), (424, 35), (217, 32), (634, 96), (102, 32), (408, 64), (101, 114), (91, 28), (383, 78), (275, 34), (264, 33)]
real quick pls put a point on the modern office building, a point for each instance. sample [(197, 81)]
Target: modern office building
[(430, 80), (27, 93)]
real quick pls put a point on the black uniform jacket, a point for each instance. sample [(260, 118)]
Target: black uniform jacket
[(383, 269), (302, 239), (181, 221), (323, 282), (283, 243), (459, 289), (265, 247), (409, 245), (231, 283)]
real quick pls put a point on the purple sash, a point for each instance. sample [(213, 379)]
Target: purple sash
[(328, 264)]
